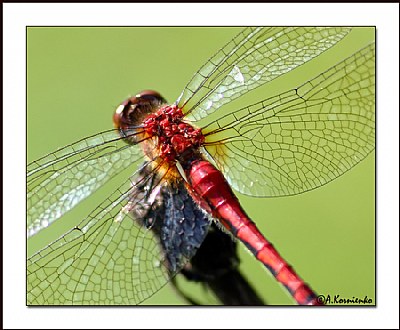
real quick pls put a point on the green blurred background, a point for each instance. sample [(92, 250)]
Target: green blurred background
[(77, 76)]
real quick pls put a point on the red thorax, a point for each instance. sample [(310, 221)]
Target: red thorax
[(175, 137)]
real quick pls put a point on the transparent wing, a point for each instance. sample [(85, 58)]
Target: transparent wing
[(60, 180), (254, 57), (121, 254), (98, 262), (301, 139)]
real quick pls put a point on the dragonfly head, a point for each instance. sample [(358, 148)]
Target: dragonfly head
[(132, 111)]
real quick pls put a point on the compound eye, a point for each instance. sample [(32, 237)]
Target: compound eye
[(132, 111), (151, 95), (119, 113)]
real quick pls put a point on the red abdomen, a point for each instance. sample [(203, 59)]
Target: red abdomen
[(213, 193)]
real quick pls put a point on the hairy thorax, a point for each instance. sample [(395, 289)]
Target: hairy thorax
[(166, 139)]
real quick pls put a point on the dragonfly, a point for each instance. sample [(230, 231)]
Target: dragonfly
[(113, 255)]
